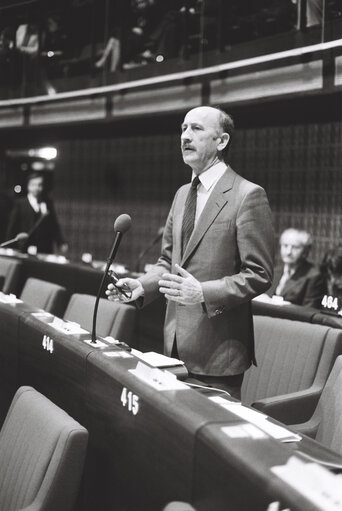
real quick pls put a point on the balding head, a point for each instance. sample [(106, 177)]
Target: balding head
[(206, 133)]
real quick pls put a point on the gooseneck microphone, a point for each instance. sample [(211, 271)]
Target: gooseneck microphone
[(22, 236), (121, 225)]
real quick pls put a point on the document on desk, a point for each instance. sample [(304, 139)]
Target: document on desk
[(316, 483), (67, 327), (11, 298), (156, 359), (261, 420)]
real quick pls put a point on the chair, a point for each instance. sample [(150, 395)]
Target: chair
[(294, 312), (115, 319), (294, 361), (9, 275), (42, 452), (325, 425), (45, 295), (321, 318)]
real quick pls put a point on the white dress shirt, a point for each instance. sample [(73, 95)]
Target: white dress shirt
[(208, 180), (38, 207), (287, 274)]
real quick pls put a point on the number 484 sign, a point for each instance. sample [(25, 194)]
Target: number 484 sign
[(130, 401)]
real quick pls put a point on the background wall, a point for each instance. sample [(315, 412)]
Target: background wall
[(135, 167)]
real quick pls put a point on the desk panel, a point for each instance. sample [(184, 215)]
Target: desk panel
[(10, 315), (61, 374), (144, 460)]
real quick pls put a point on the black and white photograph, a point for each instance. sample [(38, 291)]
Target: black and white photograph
[(170, 255)]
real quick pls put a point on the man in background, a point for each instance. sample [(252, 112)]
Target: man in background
[(217, 254), (35, 215), (296, 279)]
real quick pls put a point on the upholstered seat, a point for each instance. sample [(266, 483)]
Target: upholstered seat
[(294, 360), (115, 319), (45, 295), (42, 452), (9, 275), (179, 506), (326, 423)]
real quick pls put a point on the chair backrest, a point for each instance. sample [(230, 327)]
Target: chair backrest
[(321, 318), (329, 410), (42, 452), (45, 295), (291, 356), (9, 275), (115, 319), (294, 312)]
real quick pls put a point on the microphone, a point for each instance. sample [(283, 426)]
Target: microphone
[(151, 245), (121, 225), (22, 236), (38, 223)]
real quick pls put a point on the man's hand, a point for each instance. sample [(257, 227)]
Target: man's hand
[(134, 285), (183, 288)]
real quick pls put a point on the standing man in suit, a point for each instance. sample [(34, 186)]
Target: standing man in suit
[(296, 279), (217, 254), (35, 214)]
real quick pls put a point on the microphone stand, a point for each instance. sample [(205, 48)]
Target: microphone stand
[(115, 247)]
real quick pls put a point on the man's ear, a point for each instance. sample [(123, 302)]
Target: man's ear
[(224, 140)]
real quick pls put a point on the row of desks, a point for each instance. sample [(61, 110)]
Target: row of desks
[(146, 447), (82, 278)]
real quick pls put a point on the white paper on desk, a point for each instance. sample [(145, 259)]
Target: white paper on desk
[(42, 314), (260, 420), (223, 402), (156, 359), (316, 483), (9, 298), (117, 354), (67, 327)]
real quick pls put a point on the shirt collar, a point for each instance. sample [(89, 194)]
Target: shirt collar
[(212, 175)]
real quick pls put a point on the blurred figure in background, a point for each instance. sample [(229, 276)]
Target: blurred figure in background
[(5, 208), (53, 48), (331, 270), (36, 214), (296, 279), (314, 11)]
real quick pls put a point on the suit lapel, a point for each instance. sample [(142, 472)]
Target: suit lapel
[(217, 200), (298, 274)]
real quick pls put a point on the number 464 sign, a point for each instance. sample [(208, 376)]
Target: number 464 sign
[(331, 303), (130, 400)]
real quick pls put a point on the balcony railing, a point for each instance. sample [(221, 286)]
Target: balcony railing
[(54, 46)]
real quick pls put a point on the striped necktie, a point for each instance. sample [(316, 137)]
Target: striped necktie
[(189, 213)]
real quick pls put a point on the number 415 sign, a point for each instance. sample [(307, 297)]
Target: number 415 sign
[(130, 401)]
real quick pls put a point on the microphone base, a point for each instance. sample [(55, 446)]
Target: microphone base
[(96, 344)]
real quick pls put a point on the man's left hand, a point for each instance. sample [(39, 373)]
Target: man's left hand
[(183, 288)]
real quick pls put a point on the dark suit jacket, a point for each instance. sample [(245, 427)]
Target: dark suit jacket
[(305, 287), (23, 218), (231, 253)]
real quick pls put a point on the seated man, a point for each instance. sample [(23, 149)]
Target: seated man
[(296, 280), (331, 269)]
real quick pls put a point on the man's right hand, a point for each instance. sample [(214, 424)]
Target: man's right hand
[(134, 285)]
